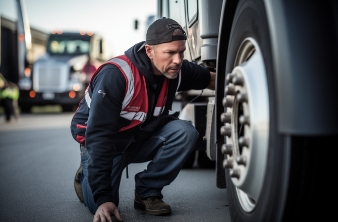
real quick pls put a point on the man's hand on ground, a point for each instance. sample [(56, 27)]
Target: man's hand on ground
[(104, 212)]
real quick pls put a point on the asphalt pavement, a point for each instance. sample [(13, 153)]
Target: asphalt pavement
[(38, 160)]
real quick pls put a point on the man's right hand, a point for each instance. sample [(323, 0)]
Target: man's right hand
[(104, 212)]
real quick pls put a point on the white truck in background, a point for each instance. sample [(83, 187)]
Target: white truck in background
[(271, 124), (56, 77)]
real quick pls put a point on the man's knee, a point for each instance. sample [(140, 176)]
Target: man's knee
[(186, 129)]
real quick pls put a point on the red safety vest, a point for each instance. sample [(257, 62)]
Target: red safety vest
[(135, 103)]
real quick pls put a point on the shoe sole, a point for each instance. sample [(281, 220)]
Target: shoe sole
[(140, 206), (77, 185)]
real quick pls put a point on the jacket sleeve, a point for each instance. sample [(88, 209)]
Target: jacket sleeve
[(108, 90), (193, 76)]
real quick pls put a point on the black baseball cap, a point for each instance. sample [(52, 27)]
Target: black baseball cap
[(161, 31)]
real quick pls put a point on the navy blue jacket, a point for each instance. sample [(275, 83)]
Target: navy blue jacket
[(103, 121)]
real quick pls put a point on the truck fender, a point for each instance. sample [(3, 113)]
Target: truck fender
[(304, 62)]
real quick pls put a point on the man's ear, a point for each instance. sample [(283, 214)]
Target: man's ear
[(149, 51)]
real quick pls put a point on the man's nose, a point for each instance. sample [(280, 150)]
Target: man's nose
[(177, 58)]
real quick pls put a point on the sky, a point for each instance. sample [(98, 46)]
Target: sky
[(112, 19)]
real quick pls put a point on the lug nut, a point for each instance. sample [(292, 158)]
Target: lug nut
[(226, 130), (226, 117), (227, 149), (244, 120), (235, 173), (238, 80), (228, 101), (242, 97), (230, 77), (243, 142), (230, 90), (228, 163), (241, 160)]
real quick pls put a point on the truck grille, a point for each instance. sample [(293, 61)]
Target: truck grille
[(50, 77)]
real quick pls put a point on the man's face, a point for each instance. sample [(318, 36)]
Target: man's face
[(167, 58)]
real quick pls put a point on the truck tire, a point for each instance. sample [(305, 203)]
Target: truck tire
[(269, 176), (204, 162)]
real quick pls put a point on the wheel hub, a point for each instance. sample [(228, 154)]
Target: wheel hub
[(246, 123)]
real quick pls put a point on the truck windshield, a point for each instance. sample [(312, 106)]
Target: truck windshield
[(68, 45)]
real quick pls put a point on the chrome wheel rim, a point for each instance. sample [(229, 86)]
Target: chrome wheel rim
[(246, 123)]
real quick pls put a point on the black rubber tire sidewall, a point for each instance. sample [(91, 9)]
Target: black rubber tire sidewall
[(251, 21)]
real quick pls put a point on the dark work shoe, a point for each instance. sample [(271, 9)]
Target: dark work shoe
[(152, 205), (77, 184)]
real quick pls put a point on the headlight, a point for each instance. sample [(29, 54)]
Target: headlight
[(27, 72), (80, 76), (76, 87), (25, 83)]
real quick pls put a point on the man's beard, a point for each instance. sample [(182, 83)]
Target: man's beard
[(168, 75)]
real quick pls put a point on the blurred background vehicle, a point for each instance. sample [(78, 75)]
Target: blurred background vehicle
[(36, 58), (59, 77)]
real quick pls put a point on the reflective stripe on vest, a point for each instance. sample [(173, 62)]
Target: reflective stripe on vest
[(134, 106), (128, 73)]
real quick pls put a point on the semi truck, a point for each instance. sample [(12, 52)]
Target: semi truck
[(270, 125), (17, 43), (57, 77)]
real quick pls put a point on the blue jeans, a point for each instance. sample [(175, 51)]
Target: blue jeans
[(167, 150)]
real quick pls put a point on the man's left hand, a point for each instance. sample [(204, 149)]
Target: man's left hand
[(104, 211)]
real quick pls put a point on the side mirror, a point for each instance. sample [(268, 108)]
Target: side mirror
[(135, 24), (101, 46)]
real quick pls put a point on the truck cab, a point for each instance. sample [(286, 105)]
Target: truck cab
[(57, 77)]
